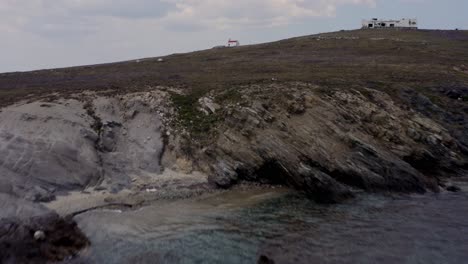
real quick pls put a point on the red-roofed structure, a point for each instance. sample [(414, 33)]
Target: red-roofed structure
[(233, 43)]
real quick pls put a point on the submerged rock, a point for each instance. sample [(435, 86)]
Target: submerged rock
[(17, 245), (31, 233), (453, 188), (265, 260)]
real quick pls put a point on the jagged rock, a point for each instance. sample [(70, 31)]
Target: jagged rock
[(296, 107), (224, 175), (208, 106), (342, 140), (322, 142), (109, 134), (321, 186)]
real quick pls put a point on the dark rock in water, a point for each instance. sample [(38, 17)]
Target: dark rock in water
[(453, 188), (265, 260), (31, 233), (21, 243)]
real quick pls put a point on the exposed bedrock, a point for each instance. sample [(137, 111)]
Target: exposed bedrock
[(453, 114), (44, 147), (70, 145), (327, 142)]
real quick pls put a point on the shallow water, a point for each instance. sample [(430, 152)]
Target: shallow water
[(240, 226)]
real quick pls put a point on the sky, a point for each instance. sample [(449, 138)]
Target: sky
[(38, 34)]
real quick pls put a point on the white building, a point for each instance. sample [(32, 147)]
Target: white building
[(233, 43), (378, 23)]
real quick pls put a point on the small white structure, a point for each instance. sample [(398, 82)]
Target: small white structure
[(379, 23), (233, 43)]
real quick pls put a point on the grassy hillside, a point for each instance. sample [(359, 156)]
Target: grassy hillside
[(380, 59)]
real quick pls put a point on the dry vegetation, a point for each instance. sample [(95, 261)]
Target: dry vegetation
[(379, 59)]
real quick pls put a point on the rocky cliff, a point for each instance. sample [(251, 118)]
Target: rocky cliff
[(329, 115), (326, 142)]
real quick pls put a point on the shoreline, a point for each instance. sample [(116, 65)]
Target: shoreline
[(169, 185)]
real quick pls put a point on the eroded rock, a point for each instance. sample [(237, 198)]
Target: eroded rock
[(339, 140), (71, 144), (208, 106)]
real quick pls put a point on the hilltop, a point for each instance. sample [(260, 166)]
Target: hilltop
[(372, 58)]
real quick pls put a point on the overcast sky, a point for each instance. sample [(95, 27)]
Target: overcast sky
[(36, 34)]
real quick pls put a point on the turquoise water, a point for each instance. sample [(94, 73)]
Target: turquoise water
[(240, 226)]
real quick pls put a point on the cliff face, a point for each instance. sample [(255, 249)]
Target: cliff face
[(330, 115), (44, 146), (327, 114), (327, 142), (47, 148)]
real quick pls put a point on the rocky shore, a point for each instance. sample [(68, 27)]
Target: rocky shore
[(124, 146), (127, 151)]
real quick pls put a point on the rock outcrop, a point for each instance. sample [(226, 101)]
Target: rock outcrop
[(328, 118), (45, 147), (50, 148), (66, 145), (327, 142)]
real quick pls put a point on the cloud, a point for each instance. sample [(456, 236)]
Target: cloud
[(222, 14), (53, 18), (52, 33)]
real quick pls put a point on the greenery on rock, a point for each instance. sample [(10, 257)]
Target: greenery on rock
[(190, 117)]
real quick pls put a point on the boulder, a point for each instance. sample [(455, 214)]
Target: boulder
[(208, 106)]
